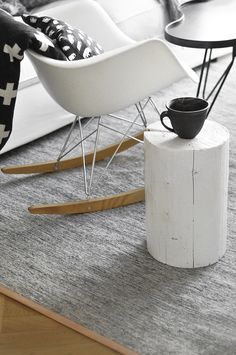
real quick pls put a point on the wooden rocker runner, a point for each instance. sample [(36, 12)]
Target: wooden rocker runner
[(90, 205), (125, 74)]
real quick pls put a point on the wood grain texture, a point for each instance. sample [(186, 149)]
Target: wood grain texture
[(184, 228), (91, 205), (70, 163), (27, 328)]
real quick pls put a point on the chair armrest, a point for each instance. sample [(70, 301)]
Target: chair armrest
[(113, 80)]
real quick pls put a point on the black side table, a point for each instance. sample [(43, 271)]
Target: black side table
[(206, 24)]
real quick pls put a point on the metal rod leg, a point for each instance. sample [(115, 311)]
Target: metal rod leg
[(154, 106), (83, 157), (201, 74), (125, 134), (206, 76), (222, 83), (76, 145), (221, 78), (141, 113), (94, 155), (67, 138)]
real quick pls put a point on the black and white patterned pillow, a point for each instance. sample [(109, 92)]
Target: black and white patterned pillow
[(73, 42), (43, 45), (15, 38)]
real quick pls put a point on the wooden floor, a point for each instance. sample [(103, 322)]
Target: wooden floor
[(24, 331)]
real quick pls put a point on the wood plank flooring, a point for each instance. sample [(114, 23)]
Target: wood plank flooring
[(24, 331)]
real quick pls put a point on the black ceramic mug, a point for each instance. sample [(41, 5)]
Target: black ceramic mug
[(187, 116)]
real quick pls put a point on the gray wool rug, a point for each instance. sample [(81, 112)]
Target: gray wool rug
[(95, 268)]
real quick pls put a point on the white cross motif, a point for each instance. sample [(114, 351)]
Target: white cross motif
[(8, 94), (71, 38), (33, 19), (44, 40), (65, 48), (72, 56), (13, 52), (87, 52), (79, 45), (3, 133), (46, 19), (59, 27), (51, 33)]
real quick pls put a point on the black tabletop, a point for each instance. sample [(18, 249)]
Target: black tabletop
[(204, 24)]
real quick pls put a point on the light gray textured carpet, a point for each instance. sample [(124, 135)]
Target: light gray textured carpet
[(95, 268)]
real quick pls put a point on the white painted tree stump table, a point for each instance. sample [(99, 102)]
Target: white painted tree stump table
[(186, 188)]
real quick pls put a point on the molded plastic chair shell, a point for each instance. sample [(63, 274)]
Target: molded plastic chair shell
[(113, 80)]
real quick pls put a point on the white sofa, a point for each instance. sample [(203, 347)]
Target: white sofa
[(36, 114)]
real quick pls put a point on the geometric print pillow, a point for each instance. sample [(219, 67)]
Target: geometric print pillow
[(73, 42), (43, 45)]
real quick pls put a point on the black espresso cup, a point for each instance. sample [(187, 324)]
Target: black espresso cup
[(187, 116)]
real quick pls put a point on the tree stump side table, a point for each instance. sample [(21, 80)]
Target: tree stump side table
[(186, 189)]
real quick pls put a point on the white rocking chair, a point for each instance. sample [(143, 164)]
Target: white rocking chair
[(125, 74)]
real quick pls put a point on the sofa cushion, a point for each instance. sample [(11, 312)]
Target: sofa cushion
[(18, 7), (74, 43), (31, 4), (139, 19), (13, 7)]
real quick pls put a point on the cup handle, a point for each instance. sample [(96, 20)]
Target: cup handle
[(165, 114)]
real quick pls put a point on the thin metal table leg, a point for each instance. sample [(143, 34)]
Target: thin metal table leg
[(202, 72), (94, 155), (223, 78), (219, 84), (207, 72)]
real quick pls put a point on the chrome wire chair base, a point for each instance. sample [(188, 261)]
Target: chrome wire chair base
[(62, 163)]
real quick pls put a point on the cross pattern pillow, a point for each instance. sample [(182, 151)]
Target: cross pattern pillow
[(15, 38), (43, 45), (74, 43)]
